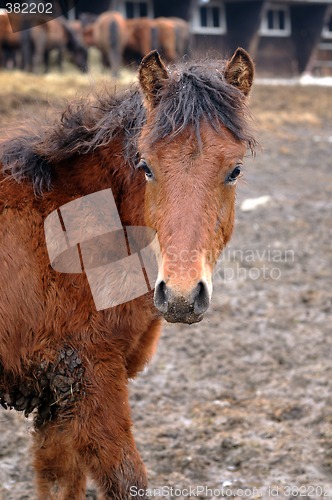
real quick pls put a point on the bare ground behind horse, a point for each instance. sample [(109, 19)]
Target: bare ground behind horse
[(243, 399)]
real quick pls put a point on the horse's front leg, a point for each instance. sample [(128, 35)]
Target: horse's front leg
[(90, 432), (58, 467), (102, 429)]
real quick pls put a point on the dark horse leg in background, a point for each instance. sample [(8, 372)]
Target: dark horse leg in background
[(47, 61), (114, 51), (39, 50), (26, 50), (7, 57), (61, 53), (104, 60), (92, 436)]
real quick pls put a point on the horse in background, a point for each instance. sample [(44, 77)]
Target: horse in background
[(171, 151), (183, 37), (109, 34), (14, 40), (142, 38), (170, 36), (87, 18), (121, 39), (9, 42), (56, 35), (115, 37), (16, 45), (83, 28), (173, 38)]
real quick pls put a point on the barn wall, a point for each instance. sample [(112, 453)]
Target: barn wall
[(172, 8), (276, 56), (243, 22), (307, 24), (205, 45), (322, 60)]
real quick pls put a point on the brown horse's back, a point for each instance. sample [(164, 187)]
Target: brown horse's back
[(110, 37), (142, 35), (102, 29), (56, 34), (173, 35), (182, 36), (167, 38)]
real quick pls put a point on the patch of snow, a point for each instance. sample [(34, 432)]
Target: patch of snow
[(253, 203), (319, 138), (303, 80)]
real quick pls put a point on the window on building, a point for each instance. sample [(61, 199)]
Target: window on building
[(209, 18), (276, 21), (327, 30), (137, 8)]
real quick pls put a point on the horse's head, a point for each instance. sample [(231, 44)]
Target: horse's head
[(76, 48), (80, 57), (192, 148)]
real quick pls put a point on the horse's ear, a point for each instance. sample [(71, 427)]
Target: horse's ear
[(239, 70), (152, 74)]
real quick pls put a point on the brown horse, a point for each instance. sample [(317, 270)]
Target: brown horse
[(9, 41), (182, 33), (56, 34), (171, 152), (173, 37), (142, 37), (170, 36), (13, 47), (109, 34)]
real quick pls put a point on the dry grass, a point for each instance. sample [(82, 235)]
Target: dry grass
[(296, 105), (23, 94)]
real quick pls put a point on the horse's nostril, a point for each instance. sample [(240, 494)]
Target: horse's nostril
[(160, 297), (182, 308), (202, 298)]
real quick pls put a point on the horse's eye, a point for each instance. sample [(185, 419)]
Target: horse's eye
[(144, 166), (234, 175)]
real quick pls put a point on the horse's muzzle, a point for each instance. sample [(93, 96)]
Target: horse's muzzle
[(179, 308)]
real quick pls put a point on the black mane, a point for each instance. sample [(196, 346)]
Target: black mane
[(194, 92)]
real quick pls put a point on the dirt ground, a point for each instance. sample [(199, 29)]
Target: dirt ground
[(241, 403)]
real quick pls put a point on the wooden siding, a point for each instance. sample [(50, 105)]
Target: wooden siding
[(276, 56), (209, 45), (307, 25), (243, 22)]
